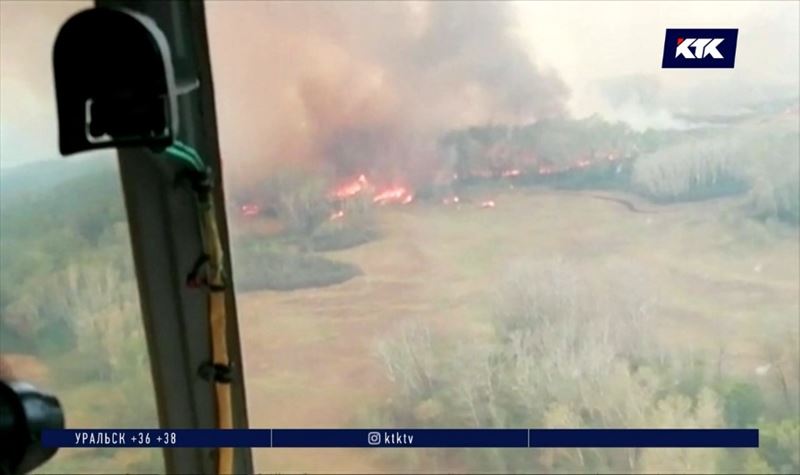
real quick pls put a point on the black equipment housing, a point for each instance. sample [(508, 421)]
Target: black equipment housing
[(115, 84)]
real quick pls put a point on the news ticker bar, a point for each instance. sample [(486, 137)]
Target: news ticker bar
[(401, 438)]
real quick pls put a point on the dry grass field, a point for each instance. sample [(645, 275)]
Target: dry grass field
[(310, 355)]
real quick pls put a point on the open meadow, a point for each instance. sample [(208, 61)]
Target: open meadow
[(721, 289)]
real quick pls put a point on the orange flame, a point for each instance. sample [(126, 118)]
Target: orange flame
[(352, 188), (250, 209), (398, 194)]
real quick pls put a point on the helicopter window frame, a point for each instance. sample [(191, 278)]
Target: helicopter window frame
[(166, 240)]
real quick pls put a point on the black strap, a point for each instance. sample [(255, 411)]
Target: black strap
[(216, 372), (195, 280)]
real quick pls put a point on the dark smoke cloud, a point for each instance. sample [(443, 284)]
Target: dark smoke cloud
[(365, 87)]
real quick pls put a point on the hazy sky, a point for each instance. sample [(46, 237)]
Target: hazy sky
[(589, 40), (582, 42), (28, 128)]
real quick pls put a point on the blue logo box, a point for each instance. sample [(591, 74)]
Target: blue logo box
[(700, 48)]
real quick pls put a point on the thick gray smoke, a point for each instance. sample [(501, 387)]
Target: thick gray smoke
[(365, 87)]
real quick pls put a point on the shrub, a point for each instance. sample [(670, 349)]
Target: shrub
[(275, 269), (558, 142), (336, 238), (775, 178), (357, 226), (411, 361), (299, 199), (743, 404), (761, 161), (780, 447), (692, 171), (571, 350)]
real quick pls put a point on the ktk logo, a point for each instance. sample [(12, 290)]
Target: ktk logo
[(699, 48), (702, 47)]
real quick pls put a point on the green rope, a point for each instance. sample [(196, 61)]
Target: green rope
[(182, 146), (186, 154), (178, 154)]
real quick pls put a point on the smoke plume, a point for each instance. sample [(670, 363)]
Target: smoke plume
[(354, 87)]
